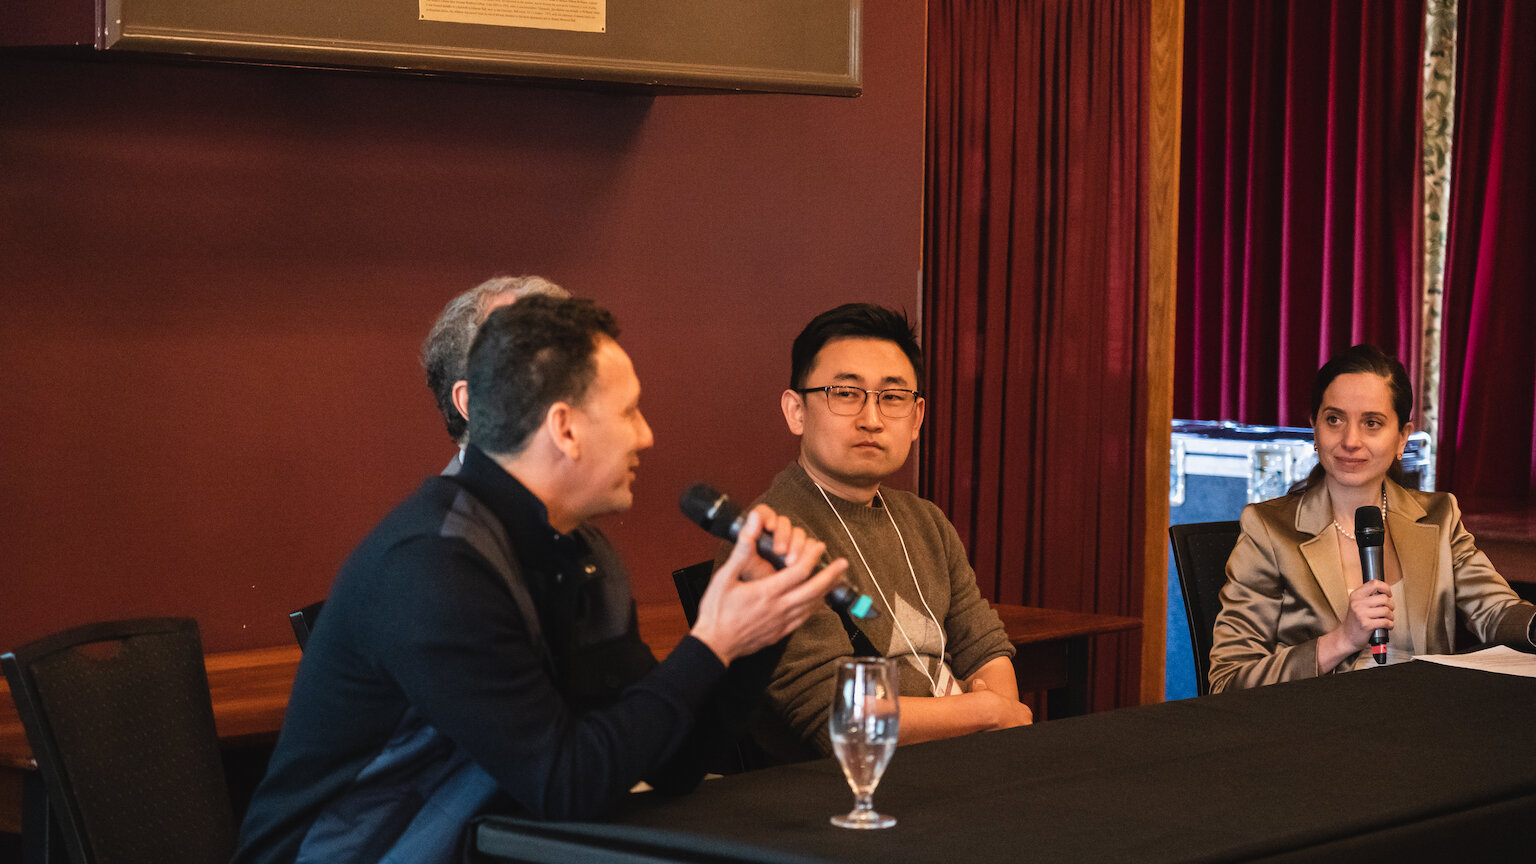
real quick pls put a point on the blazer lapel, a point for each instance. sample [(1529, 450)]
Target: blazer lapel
[(1416, 545), (1322, 551)]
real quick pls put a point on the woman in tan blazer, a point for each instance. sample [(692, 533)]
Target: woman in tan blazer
[(1294, 605)]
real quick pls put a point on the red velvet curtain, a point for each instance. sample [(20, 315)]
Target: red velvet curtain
[(1034, 302), (1488, 413), (1298, 203)]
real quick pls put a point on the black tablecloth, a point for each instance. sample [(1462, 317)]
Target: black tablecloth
[(1415, 759)]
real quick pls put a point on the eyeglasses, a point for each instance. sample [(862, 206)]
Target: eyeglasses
[(849, 401)]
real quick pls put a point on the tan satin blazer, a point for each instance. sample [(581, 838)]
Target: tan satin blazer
[(1285, 586)]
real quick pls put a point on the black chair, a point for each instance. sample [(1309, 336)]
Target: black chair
[(303, 621), (1200, 552), (691, 582), (749, 754), (121, 725)]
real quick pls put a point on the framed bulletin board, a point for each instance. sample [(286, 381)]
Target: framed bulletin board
[(794, 46)]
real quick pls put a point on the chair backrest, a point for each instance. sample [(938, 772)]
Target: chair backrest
[(1200, 552), (303, 621), (691, 582), (121, 725)]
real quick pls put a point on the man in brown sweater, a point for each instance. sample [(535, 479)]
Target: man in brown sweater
[(854, 402)]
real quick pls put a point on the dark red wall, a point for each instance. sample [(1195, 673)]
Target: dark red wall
[(216, 280)]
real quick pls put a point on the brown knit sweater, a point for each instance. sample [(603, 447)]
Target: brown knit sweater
[(801, 690)]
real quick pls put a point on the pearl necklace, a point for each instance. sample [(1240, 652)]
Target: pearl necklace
[(1383, 515)]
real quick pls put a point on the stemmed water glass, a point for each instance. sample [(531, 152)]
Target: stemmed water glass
[(864, 722)]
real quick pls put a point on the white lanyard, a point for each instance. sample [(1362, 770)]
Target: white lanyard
[(933, 684)]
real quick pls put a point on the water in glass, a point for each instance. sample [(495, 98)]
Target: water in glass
[(865, 720)]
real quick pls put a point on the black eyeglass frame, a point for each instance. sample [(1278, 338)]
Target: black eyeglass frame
[(911, 406)]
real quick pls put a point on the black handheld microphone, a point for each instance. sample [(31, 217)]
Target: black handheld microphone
[(715, 512), (1371, 535)]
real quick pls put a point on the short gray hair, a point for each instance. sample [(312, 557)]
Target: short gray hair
[(445, 353)]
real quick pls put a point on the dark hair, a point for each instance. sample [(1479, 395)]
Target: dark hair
[(446, 348), (1370, 360), (855, 321), (525, 358)]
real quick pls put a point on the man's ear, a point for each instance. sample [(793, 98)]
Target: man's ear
[(460, 393), (918, 410), (560, 423), (793, 406)]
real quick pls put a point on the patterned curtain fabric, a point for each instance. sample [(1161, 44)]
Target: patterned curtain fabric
[(1437, 100), (1035, 302), (1488, 414), (1298, 204)]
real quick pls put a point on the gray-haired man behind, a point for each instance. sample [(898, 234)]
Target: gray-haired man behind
[(445, 353)]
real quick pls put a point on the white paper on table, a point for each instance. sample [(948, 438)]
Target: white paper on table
[(1502, 659)]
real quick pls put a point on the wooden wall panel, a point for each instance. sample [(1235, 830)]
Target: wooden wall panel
[(1165, 85)]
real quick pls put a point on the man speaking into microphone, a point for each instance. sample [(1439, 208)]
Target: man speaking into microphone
[(479, 648), (856, 404)]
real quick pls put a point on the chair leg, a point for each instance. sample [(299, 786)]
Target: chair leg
[(41, 841)]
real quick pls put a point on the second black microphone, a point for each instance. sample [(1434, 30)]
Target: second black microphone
[(1371, 535), (715, 512)]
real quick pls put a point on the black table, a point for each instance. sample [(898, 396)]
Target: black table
[(1278, 773)]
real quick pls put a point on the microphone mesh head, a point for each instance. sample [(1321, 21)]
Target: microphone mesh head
[(709, 508), (1369, 530)]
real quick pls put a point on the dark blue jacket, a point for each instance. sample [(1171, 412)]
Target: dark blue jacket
[(469, 658)]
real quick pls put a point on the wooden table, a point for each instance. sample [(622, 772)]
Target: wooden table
[(250, 688), (1054, 649)]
